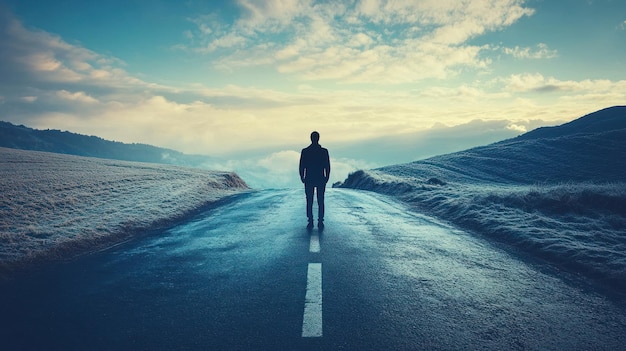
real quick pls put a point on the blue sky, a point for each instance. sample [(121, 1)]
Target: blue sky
[(248, 80)]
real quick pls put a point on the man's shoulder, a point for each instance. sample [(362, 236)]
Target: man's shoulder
[(312, 147), (315, 149)]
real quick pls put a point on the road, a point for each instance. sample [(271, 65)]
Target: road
[(247, 275)]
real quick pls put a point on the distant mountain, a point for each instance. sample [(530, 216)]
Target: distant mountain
[(407, 147), (24, 138), (591, 148)]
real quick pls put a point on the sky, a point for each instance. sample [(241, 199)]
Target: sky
[(246, 81)]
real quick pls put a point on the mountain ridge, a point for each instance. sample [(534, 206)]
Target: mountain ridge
[(610, 118), (590, 148), (64, 142)]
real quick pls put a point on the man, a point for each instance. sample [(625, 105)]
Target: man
[(314, 173)]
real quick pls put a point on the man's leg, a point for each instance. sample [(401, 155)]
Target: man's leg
[(320, 203), (308, 190)]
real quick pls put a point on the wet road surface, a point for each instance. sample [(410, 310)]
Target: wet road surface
[(249, 276)]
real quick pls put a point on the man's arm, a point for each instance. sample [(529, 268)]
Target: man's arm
[(302, 166), (327, 166)]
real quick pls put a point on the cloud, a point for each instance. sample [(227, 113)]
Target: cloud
[(270, 15), (360, 39), (227, 41), (364, 41), (39, 56), (32, 61), (541, 52), (78, 96), (29, 98), (50, 83), (517, 128), (537, 83)]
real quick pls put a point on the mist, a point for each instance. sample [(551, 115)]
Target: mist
[(277, 168)]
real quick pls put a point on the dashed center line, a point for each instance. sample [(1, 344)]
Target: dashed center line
[(314, 246), (312, 320)]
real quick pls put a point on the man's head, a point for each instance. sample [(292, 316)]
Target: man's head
[(315, 137)]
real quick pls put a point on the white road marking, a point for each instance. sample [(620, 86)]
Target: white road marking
[(315, 243), (312, 320)]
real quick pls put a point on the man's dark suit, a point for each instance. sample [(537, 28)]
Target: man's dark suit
[(314, 173)]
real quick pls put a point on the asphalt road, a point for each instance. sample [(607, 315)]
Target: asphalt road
[(248, 276)]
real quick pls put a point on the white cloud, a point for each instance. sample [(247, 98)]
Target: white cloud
[(517, 128), (39, 57), (360, 39), (43, 62), (537, 83), (29, 99), (270, 15), (227, 41), (541, 52), (369, 8), (70, 87), (78, 96), (370, 41), (288, 52), (524, 82)]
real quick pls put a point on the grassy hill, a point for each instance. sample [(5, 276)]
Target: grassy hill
[(557, 194), (591, 148), (55, 206)]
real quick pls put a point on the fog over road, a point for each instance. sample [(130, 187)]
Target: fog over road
[(239, 277)]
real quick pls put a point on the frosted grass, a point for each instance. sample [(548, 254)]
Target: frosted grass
[(580, 227), (54, 205)]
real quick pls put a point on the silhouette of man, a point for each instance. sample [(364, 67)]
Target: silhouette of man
[(314, 173)]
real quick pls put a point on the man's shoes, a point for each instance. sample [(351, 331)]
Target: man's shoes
[(320, 224), (310, 225)]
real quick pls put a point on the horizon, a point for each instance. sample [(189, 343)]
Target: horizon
[(247, 81)]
